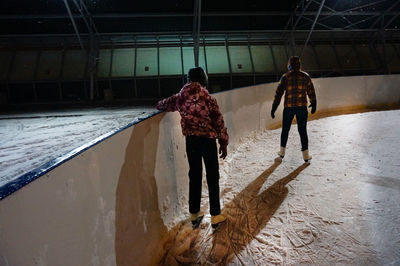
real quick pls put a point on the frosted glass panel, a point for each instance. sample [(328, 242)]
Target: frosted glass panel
[(24, 65), (347, 57), (5, 61), (217, 59), (365, 55), (308, 60), (74, 64), (170, 61), (188, 58), (392, 59), (103, 70), (326, 56), (395, 64), (240, 59), (49, 65), (262, 59), (123, 62), (146, 62), (280, 57)]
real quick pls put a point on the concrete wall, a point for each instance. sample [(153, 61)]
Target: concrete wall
[(111, 204)]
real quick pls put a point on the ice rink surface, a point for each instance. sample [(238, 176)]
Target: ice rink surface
[(28, 141), (341, 209)]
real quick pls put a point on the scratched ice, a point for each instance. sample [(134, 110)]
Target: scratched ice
[(340, 209)]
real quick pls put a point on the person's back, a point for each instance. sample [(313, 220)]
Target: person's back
[(202, 123), (296, 85), (200, 115)]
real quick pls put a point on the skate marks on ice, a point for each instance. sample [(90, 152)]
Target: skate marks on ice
[(280, 225), (248, 213), (341, 210)]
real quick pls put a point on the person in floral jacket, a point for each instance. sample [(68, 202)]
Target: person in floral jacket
[(202, 123)]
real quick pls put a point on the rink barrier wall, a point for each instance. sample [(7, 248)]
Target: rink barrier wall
[(111, 201)]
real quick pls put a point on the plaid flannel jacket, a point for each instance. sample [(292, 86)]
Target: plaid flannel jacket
[(296, 85), (200, 115)]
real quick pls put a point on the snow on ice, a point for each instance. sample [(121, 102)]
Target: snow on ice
[(29, 141)]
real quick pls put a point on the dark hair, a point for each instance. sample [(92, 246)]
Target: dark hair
[(197, 74), (294, 63)]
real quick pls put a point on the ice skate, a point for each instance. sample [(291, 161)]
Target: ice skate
[(281, 152), (217, 219), (306, 156), (196, 219)]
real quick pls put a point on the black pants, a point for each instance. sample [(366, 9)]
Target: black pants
[(301, 114), (198, 149)]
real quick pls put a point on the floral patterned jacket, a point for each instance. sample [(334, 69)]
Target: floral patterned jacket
[(200, 115)]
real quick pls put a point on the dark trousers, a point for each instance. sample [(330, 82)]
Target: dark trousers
[(301, 114), (198, 149)]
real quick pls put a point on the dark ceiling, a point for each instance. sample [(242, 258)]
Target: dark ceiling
[(29, 17), (131, 6)]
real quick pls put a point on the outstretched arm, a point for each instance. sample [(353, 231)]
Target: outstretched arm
[(168, 104)]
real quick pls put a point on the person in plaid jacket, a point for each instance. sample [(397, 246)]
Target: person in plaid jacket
[(202, 123), (296, 85)]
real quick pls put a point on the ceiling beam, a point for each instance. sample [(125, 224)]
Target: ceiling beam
[(301, 15), (382, 16), (391, 20), (208, 14), (196, 31), (319, 23), (336, 13), (312, 27), (359, 22), (74, 24), (173, 33), (87, 18)]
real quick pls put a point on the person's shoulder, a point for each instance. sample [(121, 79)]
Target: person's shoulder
[(189, 88), (211, 99), (305, 74), (185, 87), (285, 75), (205, 91)]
